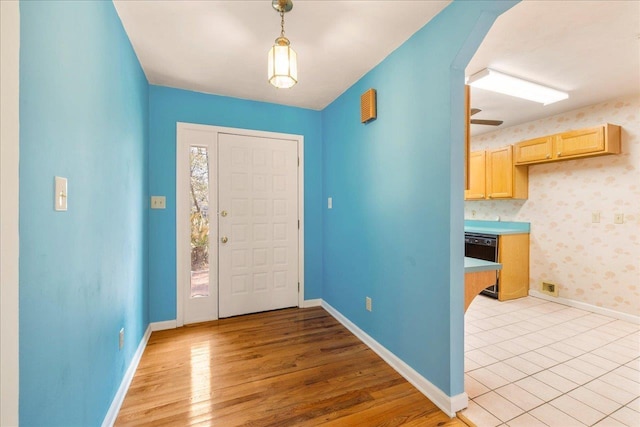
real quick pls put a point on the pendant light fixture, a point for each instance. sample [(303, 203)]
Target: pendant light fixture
[(283, 61)]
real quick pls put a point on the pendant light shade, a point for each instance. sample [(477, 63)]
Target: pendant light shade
[(282, 61), (283, 64)]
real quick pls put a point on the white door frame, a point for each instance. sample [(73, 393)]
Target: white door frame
[(9, 212), (183, 260)]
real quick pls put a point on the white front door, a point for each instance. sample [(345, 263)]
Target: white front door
[(258, 224), (239, 222)]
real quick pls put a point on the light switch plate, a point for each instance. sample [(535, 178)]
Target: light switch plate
[(595, 217), (60, 194), (158, 202), (330, 203), (618, 218)]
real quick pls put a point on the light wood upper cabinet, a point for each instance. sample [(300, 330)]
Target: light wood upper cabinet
[(499, 176), (534, 150), (494, 176), (504, 180), (477, 176), (595, 141), (580, 142)]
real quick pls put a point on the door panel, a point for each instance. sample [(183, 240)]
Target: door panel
[(477, 177), (581, 141), (500, 176), (258, 224)]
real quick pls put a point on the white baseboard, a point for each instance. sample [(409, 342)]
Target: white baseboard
[(312, 303), (161, 326), (449, 405), (587, 307), (116, 403)]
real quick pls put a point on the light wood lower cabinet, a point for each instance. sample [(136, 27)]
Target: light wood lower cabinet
[(513, 254), (589, 142)]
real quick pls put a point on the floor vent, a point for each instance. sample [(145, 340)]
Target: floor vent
[(550, 289)]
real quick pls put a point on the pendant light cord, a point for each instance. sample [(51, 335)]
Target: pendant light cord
[(282, 23)]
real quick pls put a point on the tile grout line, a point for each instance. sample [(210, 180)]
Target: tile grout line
[(590, 328)]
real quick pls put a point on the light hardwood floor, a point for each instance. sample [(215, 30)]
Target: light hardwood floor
[(293, 367)]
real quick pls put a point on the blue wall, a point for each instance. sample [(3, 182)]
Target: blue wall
[(168, 106), (396, 227), (88, 114), (83, 273)]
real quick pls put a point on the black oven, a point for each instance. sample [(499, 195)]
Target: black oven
[(483, 246)]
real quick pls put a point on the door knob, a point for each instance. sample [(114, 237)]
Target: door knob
[(224, 213), (224, 239)]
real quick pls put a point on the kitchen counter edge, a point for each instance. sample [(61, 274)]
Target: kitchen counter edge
[(495, 231), (474, 265)]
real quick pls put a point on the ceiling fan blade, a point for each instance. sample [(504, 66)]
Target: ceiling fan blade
[(486, 122), (475, 111)]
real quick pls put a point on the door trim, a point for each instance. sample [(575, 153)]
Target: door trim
[(9, 212), (182, 230)]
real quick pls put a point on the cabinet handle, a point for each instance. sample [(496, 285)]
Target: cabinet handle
[(559, 154), (548, 156)]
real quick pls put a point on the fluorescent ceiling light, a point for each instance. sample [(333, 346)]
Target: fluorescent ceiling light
[(495, 81)]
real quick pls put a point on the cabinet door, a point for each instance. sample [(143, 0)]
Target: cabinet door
[(579, 142), (534, 150), (513, 254), (477, 183), (500, 173)]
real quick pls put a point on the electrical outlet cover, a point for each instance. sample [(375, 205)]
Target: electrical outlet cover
[(60, 194), (158, 202)]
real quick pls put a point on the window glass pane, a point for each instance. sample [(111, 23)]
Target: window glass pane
[(199, 162)]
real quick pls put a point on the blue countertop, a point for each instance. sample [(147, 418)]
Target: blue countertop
[(474, 265), (496, 227)]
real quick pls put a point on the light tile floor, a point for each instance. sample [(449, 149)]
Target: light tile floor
[(531, 362)]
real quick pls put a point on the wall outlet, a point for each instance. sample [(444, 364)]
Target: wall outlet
[(367, 302), (158, 202), (618, 218), (595, 217), (121, 339), (550, 289)]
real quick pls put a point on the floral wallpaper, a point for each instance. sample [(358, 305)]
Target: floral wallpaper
[(594, 263)]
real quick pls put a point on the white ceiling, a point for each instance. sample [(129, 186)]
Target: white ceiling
[(590, 49), (220, 47)]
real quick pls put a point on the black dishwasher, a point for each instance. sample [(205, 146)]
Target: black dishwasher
[(483, 246)]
